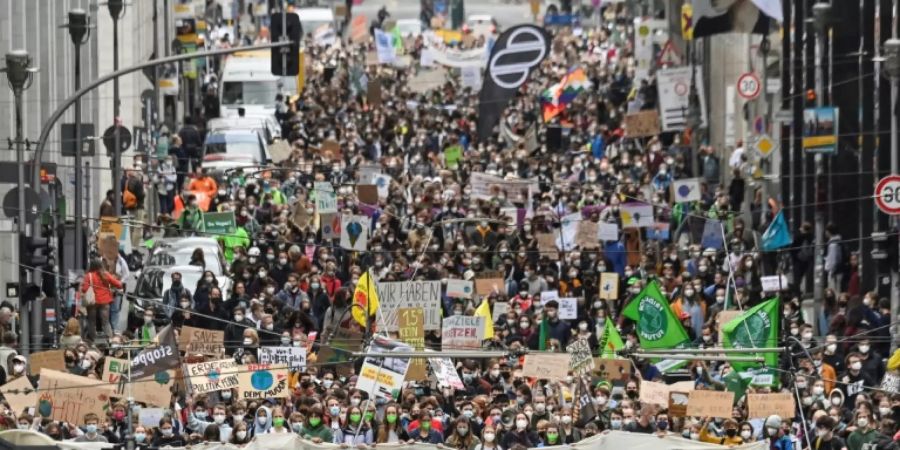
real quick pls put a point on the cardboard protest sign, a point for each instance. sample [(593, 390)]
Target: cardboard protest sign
[(459, 288), (161, 356), (108, 246), (373, 92), (112, 225), (411, 329), (462, 332), (69, 398), (547, 245), (487, 286), (331, 149), (764, 405), (547, 366), (410, 294), (149, 417), (20, 394), (582, 361), (642, 124), (367, 194), (609, 285), (445, 373), (212, 376), (294, 358), (654, 393), (500, 310), (613, 369), (201, 341), (704, 403), (326, 199), (678, 403), (586, 236), (49, 359), (608, 231), (153, 390), (300, 215), (261, 381), (568, 308)]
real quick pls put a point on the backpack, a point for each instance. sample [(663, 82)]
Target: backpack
[(129, 200)]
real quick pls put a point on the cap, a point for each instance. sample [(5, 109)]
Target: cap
[(603, 385)]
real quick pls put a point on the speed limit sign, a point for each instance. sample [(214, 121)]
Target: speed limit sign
[(749, 86), (887, 194)]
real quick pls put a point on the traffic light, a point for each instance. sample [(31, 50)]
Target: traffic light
[(34, 252), (286, 60)]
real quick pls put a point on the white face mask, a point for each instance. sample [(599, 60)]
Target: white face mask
[(489, 437), (745, 435), (241, 434), (856, 365), (262, 420), (248, 341), (521, 424), (862, 422), (566, 419), (818, 390), (219, 418), (695, 436)]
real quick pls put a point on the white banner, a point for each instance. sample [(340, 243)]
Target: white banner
[(674, 87), (410, 294), (485, 187)]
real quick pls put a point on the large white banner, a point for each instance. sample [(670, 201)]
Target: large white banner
[(675, 97), (410, 294)]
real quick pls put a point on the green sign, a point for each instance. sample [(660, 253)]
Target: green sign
[(452, 155), (219, 223)]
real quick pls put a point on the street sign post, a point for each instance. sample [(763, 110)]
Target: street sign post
[(749, 86), (887, 194)]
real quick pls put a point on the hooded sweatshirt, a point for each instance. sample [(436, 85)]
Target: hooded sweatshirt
[(262, 429)]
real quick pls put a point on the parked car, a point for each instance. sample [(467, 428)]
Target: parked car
[(156, 280), (232, 149)]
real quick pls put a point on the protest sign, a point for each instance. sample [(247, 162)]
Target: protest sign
[(459, 288), (149, 417), (486, 187), (341, 342), (609, 285), (546, 296), (704, 403), (383, 377), (642, 124), (452, 155), (636, 215), (112, 225), (462, 332), (582, 361), (613, 369), (373, 92), (211, 376), (547, 366), (161, 356), (367, 194), (654, 393), (293, 358), (411, 329), (355, 232), (764, 405), (607, 231), (410, 294), (261, 381), (774, 283), (108, 246), (153, 390), (218, 223), (500, 310), (68, 398), (201, 341), (326, 199), (446, 373), (49, 359), (547, 245), (331, 149), (300, 216), (568, 308), (587, 233), (487, 286), (678, 403), (20, 394)]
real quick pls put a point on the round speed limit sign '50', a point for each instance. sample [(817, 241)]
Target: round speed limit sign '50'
[(887, 194)]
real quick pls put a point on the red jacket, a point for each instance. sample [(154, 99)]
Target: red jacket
[(101, 283)]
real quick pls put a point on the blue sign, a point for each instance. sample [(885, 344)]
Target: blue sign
[(560, 19)]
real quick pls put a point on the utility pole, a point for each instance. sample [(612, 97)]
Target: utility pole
[(79, 30), (19, 75), (891, 68), (821, 11), (116, 11)]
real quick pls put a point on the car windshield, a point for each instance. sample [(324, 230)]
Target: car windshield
[(249, 93), (149, 285), (244, 146)]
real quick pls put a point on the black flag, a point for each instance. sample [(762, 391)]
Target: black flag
[(515, 54), (157, 357)]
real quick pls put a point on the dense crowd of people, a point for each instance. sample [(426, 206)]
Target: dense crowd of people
[(291, 285)]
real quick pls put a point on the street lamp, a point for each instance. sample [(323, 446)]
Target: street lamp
[(79, 30), (116, 11), (891, 68), (19, 76), (821, 12)]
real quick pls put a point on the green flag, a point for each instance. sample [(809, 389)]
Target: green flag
[(543, 334), (757, 327), (610, 341), (657, 326), (734, 382)]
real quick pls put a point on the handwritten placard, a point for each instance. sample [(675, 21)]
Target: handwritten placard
[(764, 405), (201, 341), (654, 393), (547, 366), (613, 369), (710, 404), (411, 330), (20, 394), (488, 286), (568, 308), (678, 403), (68, 398), (50, 359), (609, 285)]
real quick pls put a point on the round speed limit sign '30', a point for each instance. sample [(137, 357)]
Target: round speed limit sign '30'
[(887, 194), (749, 86)]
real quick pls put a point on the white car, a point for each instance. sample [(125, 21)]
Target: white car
[(224, 150), (181, 256), (155, 281), (320, 23)]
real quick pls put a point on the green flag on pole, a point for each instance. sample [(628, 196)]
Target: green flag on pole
[(755, 328), (657, 326), (611, 341)]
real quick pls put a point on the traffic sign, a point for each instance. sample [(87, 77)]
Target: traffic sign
[(887, 194), (748, 86), (109, 138), (765, 145)]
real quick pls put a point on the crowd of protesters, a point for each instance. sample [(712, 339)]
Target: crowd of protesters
[(290, 283)]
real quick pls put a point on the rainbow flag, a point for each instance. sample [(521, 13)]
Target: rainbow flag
[(556, 97)]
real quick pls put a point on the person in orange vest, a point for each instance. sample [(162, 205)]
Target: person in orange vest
[(204, 183)]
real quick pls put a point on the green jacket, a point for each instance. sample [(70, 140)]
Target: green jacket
[(191, 219), (858, 440), (322, 432), (239, 238)]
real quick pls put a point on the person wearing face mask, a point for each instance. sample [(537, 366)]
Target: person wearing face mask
[(865, 432), (173, 294), (234, 332), (541, 411), (462, 437), (825, 438), (199, 419), (833, 354), (91, 429), (356, 431), (557, 329), (240, 436), (521, 434), (855, 379), (167, 435), (262, 421), (570, 433), (488, 439), (777, 438), (731, 436), (314, 427)]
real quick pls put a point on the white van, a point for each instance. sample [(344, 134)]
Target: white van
[(320, 23), (247, 82)]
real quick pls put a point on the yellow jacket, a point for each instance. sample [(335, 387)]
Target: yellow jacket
[(724, 440)]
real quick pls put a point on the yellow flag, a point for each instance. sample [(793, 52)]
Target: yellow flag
[(484, 310), (366, 297), (687, 22)]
